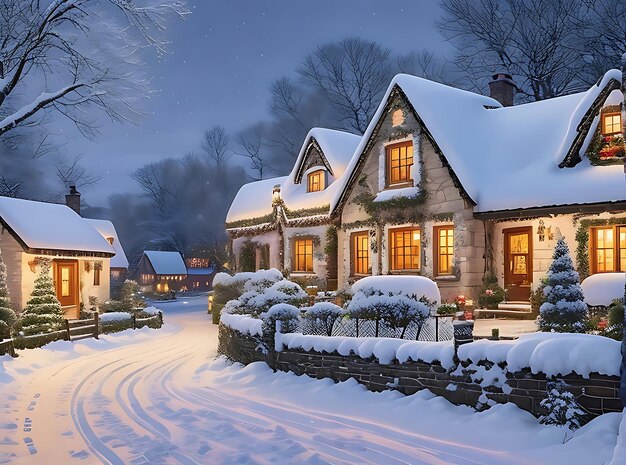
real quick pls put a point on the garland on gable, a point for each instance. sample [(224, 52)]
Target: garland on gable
[(294, 218), (582, 240), (606, 150)]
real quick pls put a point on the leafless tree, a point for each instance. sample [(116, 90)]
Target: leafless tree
[(215, 143), (426, 64), (73, 173), (536, 41), (153, 180), (251, 144), (353, 73), (75, 56)]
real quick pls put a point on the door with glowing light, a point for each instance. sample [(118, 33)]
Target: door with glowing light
[(66, 285), (518, 263)]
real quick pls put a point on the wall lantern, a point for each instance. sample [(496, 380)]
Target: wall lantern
[(276, 194)]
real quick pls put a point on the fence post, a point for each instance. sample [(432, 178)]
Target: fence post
[(161, 317), (134, 320), (67, 329), (12, 348), (436, 328), (463, 333), (96, 329)]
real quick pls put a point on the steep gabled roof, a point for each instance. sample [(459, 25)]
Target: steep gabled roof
[(166, 262), (254, 200), (49, 228), (106, 229), (503, 158)]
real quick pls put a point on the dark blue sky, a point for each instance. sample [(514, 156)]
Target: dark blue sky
[(223, 58)]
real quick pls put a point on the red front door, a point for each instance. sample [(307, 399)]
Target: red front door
[(518, 263), (66, 285)]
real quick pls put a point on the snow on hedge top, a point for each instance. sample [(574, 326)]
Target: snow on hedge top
[(253, 200), (166, 262), (506, 157), (243, 323), (550, 353), (603, 288), (224, 279), (51, 226), (107, 230), (419, 286)]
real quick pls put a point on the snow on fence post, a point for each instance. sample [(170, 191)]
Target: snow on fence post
[(463, 333)]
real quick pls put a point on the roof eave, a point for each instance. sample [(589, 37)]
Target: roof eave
[(535, 212)]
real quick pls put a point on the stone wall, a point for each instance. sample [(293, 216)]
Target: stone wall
[(597, 394)]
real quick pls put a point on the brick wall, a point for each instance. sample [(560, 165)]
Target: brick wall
[(597, 394)]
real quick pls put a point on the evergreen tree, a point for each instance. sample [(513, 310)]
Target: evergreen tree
[(43, 312), (563, 309), (561, 407), (7, 315)]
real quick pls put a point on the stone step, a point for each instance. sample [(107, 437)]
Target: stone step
[(517, 306)]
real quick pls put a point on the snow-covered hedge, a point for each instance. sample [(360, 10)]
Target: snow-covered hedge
[(229, 287), (324, 315), (287, 314), (254, 301), (603, 288), (243, 323), (419, 286), (115, 317), (550, 353)]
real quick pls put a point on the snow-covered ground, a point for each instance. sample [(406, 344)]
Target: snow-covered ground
[(159, 397)]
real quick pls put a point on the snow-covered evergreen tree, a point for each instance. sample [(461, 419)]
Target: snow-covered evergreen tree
[(7, 315), (43, 312), (561, 407), (563, 309)]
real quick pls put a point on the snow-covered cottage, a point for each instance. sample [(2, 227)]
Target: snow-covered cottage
[(284, 222), (451, 184), (80, 255), (200, 272), (161, 271), (119, 262)]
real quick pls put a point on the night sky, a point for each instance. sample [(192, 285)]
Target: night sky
[(222, 60)]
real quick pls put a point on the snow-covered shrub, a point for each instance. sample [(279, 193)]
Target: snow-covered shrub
[(227, 287), (324, 315), (129, 300), (603, 288), (561, 407), (263, 279), (43, 312), (287, 314), (7, 315), (254, 303), (564, 309), (491, 293)]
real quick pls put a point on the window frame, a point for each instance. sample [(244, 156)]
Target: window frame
[(611, 115), (437, 250), (96, 276), (354, 253), (391, 249), (409, 182), (322, 180), (294, 254), (617, 250)]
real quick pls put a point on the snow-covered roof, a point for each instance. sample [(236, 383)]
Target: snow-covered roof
[(254, 200), (506, 157), (166, 262), (107, 230), (42, 226)]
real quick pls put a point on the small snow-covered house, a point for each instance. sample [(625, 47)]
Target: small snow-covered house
[(32, 231), (285, 222), (200, 272), (119, 262), (161, 271), (450, 184)]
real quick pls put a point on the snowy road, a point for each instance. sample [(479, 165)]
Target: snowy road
[(158, 397)]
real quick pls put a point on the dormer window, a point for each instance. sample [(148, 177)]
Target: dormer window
[(316, 181), (611, 124), (399, 163)]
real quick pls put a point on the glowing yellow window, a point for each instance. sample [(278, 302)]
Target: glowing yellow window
[(611, 124), (604, 248), (399, 163), (360, 253), (444, 249), (316, 181), (65, 282), (303, 255), (405, 247)]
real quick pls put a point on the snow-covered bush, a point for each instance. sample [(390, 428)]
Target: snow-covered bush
[(7, 315), (254, 303), (43, 312), (491, 293), (564, 309), (323, 315), (287, 314), (602, 289), (129, 300), (227, 287), (561, 407)]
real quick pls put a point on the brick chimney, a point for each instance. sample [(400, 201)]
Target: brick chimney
[(502, 88), (72, 199)]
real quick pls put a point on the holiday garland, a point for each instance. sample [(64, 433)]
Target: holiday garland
[(606, 150)]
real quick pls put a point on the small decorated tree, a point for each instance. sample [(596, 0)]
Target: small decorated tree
[(43, 312), (561, 407), (563, 309), (7, 315)]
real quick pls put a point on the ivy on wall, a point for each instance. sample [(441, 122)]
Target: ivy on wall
[(247, 256), (582, 240)]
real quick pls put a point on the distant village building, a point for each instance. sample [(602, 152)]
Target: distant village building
[(200, 273), (119, 262), (161, 271), (80, 255)]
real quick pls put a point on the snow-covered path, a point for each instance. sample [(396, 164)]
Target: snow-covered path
[(158, 397)]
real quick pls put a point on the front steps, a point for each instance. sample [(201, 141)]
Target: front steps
[(509, 310)]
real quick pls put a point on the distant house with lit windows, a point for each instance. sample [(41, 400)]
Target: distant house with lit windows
[(119, 262), (451, 185), (161, 271), (200, 272)]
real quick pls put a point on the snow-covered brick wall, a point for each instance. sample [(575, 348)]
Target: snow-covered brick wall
[(603, 288), (242, 323)]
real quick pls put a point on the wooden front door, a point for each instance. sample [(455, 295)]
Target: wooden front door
[(66, 284), (518, 263)]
